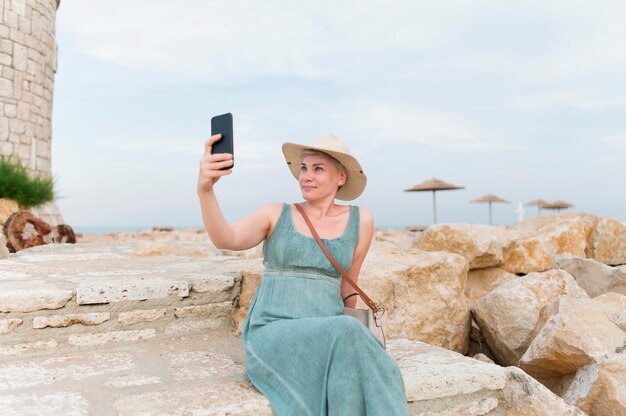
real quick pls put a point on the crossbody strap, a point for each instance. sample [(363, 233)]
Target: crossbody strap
[(369, 302)]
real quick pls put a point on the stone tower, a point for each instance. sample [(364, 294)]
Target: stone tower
[(28, 62)]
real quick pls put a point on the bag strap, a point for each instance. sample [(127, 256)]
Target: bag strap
[(369, 302)]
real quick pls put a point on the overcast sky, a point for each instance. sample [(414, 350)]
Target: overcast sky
[(522, 99)]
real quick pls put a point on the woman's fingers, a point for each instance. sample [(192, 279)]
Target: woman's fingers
[(208, 145)]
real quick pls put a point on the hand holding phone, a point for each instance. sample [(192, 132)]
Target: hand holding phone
[(223, 124)]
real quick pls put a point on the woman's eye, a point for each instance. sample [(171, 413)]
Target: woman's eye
[(319, 168)]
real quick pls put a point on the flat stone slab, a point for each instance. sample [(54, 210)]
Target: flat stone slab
[(48, 277)]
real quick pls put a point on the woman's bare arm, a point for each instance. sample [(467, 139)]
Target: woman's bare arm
[(366, 233), (242, 234)]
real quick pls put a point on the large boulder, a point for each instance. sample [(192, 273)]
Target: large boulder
[(607, 242), (507, 315), (534, 243), (571, 333), (600, 388), (482, 281), (440, 382), (614, 306), (480, 244), (423, 293), (595, 277)]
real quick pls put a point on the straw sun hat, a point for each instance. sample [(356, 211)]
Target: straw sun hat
[(333, 146)]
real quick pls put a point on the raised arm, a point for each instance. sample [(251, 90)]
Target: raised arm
[(242, 234), (366, 233)]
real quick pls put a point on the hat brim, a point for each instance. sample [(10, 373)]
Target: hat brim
[(356, 181)]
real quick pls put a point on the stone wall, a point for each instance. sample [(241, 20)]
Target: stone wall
[(28, 62)]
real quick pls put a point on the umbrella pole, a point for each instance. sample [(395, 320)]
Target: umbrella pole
[(434, 209), (490, 213)]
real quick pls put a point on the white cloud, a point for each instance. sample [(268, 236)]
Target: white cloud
[(383, 123), (615, 141), (576, 99)]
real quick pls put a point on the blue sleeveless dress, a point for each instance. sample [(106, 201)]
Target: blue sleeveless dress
[(302, 353)]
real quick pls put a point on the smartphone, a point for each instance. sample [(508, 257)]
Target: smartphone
[(223, 124)]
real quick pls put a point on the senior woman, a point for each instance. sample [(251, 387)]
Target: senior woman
[(302, 353)]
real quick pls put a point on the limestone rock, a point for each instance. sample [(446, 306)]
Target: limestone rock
[(60, 321), (442, 382), (141, 315), (30, 300), (507, 315), (424, 295), (210, 310), (249, 283), (595, 277), (535, 243), (113, 336), (8, 207), (571, 334), (600, 388), (480, 244), (4, 251), (607, 242), (93, 291), (233, 398), (525, 396), (482, 281), (8, 325), (614, 306)]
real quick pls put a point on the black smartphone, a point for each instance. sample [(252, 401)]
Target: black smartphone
[(223, 124)]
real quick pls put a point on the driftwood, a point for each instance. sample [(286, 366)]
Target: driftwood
[(23, 230)]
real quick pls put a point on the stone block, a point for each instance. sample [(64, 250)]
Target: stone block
[(6, 46), (144, 315), (28, 347), (599, 389), (508, 315), (4, 251), (593, 276), (232, 398), (614, 306), (211, 310), (5, 59), (607, 242), (60, 321), (30, 300), (20, 57), (218, 288), (481, 245), (8, 325), (571, 334), (195, 326), (113, 336), (535, 243), (57, 403), (6, 88), (132, 288)]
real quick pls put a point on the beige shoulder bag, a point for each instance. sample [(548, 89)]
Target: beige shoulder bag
[(374, 318)]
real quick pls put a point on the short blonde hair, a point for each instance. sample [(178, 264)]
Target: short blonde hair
[(312, 152)]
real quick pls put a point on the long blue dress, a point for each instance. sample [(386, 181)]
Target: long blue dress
[(302, 353)]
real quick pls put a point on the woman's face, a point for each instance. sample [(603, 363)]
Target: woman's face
[(319, 178)]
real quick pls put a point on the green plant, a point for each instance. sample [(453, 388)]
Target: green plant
[(16, 184)]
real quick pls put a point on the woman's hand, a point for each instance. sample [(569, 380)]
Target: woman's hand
[(211, 165)]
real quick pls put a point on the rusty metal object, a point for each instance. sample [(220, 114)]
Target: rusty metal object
[(23, 230), (63, 233)]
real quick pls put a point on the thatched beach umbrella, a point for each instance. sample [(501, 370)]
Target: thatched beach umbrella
[(538, 202), (490, 199), (433, 185), (558, 205)]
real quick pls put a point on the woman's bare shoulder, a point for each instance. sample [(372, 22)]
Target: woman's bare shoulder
[(271, 211), (366, 217)]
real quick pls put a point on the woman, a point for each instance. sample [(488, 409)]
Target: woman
[(302, 353)]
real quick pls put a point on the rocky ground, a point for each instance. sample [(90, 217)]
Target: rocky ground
[(148, 323)]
